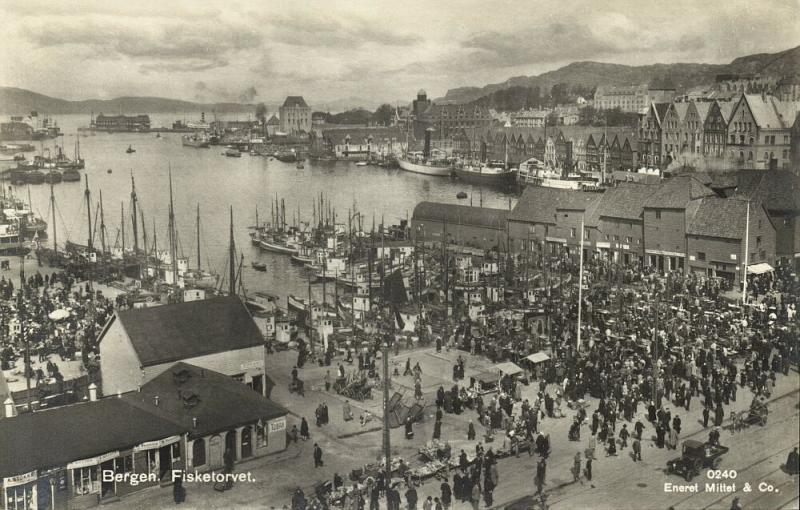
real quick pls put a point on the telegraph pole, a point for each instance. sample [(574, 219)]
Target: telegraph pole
[(387, 449)]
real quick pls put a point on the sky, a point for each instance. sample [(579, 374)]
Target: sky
[(371, 51)]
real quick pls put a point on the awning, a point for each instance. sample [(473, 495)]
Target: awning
[(537, 357), (508, 368), (760, 268)]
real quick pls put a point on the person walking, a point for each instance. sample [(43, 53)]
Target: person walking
[(576, 467), (587, 471), (705, 417), (411, 498), (304, 429), (637, 450), (623, 436), (317, 456), (476, 495), (447, 494), (638, 428)]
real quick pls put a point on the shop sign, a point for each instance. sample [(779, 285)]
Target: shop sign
[(252, 364), (277, 425), (152, 445), (94, 461), (13, 481)]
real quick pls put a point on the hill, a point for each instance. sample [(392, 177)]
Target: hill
[(16, 101), (682, 75)]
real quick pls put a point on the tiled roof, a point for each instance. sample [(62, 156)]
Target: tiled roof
[(764, 113), (295, 102), (702, 109), (65, 434), (359, 135), (626, 201), (461, 214), (660, 110), (181, 331), (779, 190), (540, 204), (726, 108), (675, 193), (719, 217), (680, 110), (273, 121), (218, 402)]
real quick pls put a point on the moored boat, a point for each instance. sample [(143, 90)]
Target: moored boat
[(494, 173)]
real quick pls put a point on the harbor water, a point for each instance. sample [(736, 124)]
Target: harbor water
[(215, 182)]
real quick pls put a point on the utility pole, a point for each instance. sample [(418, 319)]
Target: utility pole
[(232, 256), (580, 290), (122, 226), (53, 208), (387, 449)]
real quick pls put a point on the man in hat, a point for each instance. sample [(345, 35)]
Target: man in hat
[(637, 450)]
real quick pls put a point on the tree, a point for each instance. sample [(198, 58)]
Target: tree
[(384, 115)]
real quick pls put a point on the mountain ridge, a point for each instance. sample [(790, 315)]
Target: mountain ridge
[(684, 75)]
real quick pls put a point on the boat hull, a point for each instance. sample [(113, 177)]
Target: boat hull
[(418, 168), (277, 248), (492, 179)]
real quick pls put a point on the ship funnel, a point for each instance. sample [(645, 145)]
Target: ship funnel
[(427, 150)]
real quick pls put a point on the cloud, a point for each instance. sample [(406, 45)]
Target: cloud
[(332, 33), (173, 46)]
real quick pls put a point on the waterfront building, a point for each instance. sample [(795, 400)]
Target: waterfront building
[(621, 222), (448, 119), (363, 143), (715, 130), (475, 227), (759, 132), (650, 134), (715, 237), (121, 123), (273, 125), (295, 116), (216, 334)]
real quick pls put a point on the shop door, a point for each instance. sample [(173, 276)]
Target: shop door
[(247, 442), (106, 488), (215, 452), (230, 442), (164, 461)]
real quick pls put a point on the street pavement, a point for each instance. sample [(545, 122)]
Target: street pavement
[(756, 454)]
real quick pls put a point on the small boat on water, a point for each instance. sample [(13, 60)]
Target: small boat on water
[(361, 163), (300, 165), (158, 135), (461, 195), (286, 156), (233, 153), (199, 142), (271, 244), (297, 304), (130, 150), (259, 266), (71, 175)]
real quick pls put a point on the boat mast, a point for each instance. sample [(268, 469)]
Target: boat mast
[(232, 255), (198, 235), (122, 226), (144, 240), (102, 225), (53, 207), (173, 250), (134, 218), (88, 215)]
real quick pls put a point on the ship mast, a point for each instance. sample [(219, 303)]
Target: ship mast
[(53, 207), (232, 255), (134, 218), (198, 236), (173, 251), (88, 215), (122, 226), (102, 225)]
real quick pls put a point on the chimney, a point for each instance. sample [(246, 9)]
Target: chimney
[(9, 407), (92, 392)]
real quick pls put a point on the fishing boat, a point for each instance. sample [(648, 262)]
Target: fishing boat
[(71, 175), (34, 177), (259, 266), (304, 255), (297, 304), (198, 142), (286, 156), (130, 150), (233, 153), (424, 162), (53, 177), (493, 173), (277, 245)]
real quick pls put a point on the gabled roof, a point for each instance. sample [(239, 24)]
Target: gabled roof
[(680, 110), (461, 214), (65, 434), (659, 111), (540, 204), (295, 102), (702, 107), (217, 402), (273, 121), (625, 201), (174, 332), (677, 192), (779, 190), (763, 110), (719, 217), (726, 109)]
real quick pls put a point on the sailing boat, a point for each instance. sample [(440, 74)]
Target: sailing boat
[(423, 163), (199, 278)]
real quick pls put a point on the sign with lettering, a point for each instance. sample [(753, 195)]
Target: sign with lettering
[(152, 445), (94, 461), (252, 364), (13, 481), (277, 425)]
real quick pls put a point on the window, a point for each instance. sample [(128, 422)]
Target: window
[(629, 240), (262, 437), (85, 480), (701, 255), (199, 452), (758, 241), (572, 232), (658, 215), (123, 464)]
